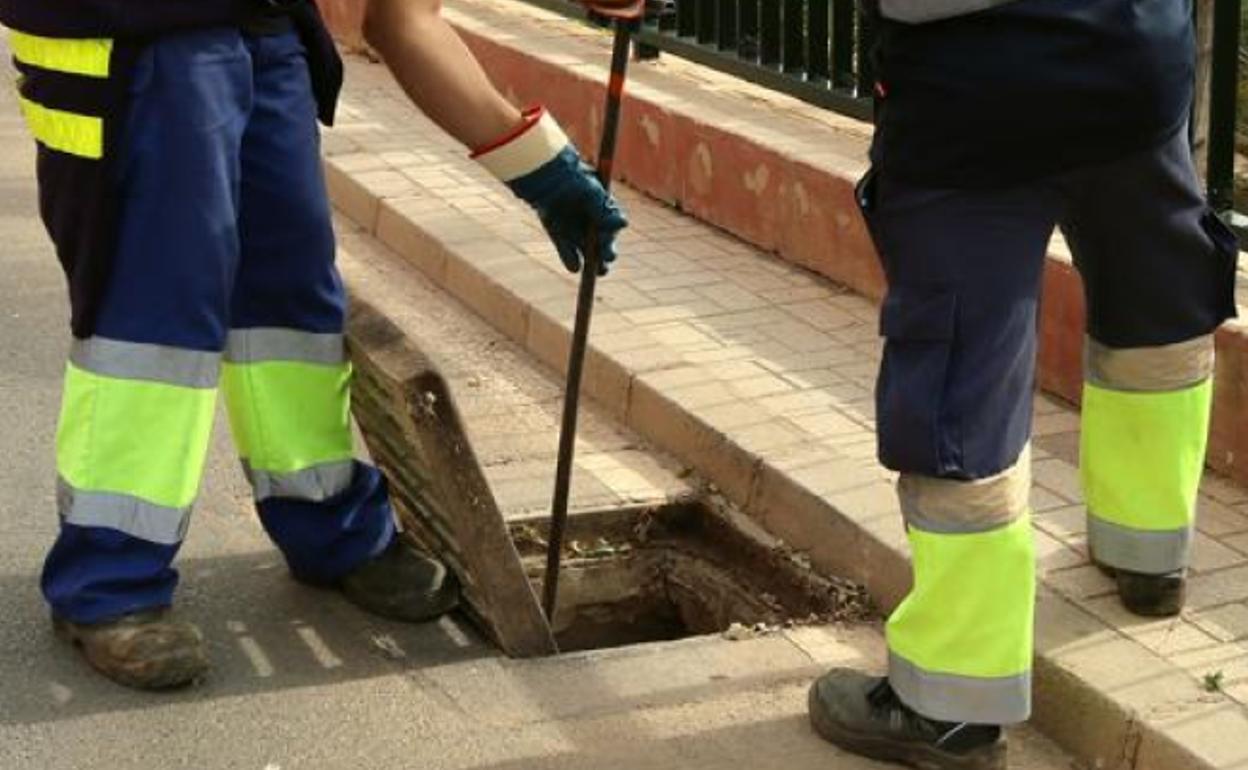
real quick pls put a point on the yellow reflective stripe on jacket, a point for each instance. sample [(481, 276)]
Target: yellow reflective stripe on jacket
[(68, 132), (1143, 455), (147, 440), (88, 57), (971, 611), (287, 416)]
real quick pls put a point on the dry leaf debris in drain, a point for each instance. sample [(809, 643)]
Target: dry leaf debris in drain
[(430, 399), (645, 522), (740, 632), (527, 534), (598, 549)]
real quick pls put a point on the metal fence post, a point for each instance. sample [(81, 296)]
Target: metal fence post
[(1223, 103)]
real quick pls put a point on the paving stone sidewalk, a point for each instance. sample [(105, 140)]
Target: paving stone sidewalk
[(760, 375), (510, 404)]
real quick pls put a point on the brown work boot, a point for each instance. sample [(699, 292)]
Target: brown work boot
[(1149, 596), (147, 650), (403, 584), (863, 715)]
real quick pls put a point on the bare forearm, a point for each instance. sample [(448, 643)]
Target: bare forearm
[(437, 70)]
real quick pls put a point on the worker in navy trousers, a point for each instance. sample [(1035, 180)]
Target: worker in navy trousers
[(180, 179), (997, 121)]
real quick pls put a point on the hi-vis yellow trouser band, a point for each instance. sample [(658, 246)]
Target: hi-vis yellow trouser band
[(288, 394), (960, 645), (1145, 427), (58, 129), (133, 436), (1146, 419), (136, 421)]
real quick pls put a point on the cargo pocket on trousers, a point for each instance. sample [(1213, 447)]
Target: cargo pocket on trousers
[(918, 324), (1226, 251)]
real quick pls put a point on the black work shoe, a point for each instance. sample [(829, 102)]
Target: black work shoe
[(403, 584), (146, 650), (862, 714), (1150, 596)]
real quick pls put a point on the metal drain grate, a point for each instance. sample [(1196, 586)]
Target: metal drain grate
[(410, 423)]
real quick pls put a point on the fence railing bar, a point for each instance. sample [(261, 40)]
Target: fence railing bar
[(747, 22), (726, 24), (771, 22), (794, 23), (707, 19), (1223, 104), (844, 39), (818, 41), (686, 19)]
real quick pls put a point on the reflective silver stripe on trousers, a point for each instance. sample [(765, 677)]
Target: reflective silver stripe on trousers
[(919, 11), (1152, 552), (952, 698), (135, 517), (1149, 370), (142, 361), (956, 507), (253, 346), (315, 484)]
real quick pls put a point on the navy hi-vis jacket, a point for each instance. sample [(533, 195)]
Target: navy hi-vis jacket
[(980, 93), (74, 59)]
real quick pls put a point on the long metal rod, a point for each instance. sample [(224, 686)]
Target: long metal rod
[(580, 333)]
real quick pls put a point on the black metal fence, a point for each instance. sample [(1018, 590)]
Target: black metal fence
[(811, 49), (818, 51)]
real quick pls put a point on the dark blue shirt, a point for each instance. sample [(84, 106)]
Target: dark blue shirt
[(1031, 89)]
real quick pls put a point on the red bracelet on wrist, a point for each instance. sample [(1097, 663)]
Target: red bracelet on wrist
[(529, 118)]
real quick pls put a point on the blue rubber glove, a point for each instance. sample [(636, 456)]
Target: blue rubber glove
[(543, 169)]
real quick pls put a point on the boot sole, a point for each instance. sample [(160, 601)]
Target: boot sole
[(177, 671), (1172, 607), (915, 755)]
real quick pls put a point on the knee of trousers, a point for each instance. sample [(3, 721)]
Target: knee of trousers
[(952, 400)]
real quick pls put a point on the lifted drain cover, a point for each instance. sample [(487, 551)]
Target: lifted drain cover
[(410, 423)]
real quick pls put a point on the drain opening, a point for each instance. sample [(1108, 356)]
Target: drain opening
[(688, 569)]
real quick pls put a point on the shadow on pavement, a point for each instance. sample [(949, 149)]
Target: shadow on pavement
[(265, 633)]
